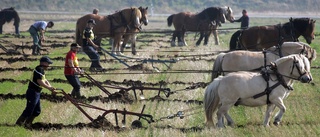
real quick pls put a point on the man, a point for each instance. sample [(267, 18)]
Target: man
[(71, 70), (90, 48), (34, 30), (95, 11), (244, 20), (36, 83)]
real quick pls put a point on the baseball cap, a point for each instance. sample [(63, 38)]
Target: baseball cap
[(92, 21), (75, 45), (46, 59)]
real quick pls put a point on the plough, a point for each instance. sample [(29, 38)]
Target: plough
[(140, 59), (133, 87), (124, 112)]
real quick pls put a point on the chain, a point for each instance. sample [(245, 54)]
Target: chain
[(180, 114)]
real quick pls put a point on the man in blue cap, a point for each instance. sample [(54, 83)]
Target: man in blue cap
[(36, 83)]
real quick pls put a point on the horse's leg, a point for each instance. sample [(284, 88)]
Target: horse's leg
[(182, 36), (116, 43), (222, 111), (270, 109), (200, 39), (133, 44), (1, 27), (206, 38), (180, 39), (279, 115), (229, 120), (173, 40), (124, 43), (216, 38)]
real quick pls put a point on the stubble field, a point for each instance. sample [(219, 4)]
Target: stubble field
[(186, 79)]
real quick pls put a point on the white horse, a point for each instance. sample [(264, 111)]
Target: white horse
[(249, 89), (253, 60)]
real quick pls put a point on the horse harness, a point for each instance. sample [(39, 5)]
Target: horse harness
[(122, 23), (266, 75)]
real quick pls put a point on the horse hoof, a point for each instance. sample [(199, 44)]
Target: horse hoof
[(276, 123)]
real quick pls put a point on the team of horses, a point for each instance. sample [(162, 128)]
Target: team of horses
[(204, 22), (252, 76), (121, 24)]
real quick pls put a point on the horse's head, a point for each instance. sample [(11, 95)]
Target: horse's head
[(305, 26), (308, 51), (295, 67), (144, 13), (228, 13), (221, 16)]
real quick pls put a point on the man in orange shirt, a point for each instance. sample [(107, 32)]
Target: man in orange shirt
[(72, 70)]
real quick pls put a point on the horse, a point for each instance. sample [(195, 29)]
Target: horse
[(247, 88), (187, 21), (114, 25), (227, 11), (262, 37), (8, 14), (254, 60), (131, 34)]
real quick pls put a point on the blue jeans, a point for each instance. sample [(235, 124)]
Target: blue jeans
[(33, 107), (93, 55), (75, 83)]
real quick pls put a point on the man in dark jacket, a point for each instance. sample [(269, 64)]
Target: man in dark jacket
[(244, 20), (36, 83)]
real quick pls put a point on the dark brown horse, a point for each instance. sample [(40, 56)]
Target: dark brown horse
[(262, 37), (227, 11), (186, 21), (8, 14), (114, 25)]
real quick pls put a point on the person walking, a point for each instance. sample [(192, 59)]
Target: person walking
[(37, 82), (72, 70), (37, 33), (244, 19), (90, 48)]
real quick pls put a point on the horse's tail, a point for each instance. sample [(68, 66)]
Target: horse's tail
[(78, 33), (211, 100), (216, 71), (170, 20), (234, 40)]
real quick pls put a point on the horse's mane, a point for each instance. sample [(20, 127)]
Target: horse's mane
[(209, 13), (300, 24)]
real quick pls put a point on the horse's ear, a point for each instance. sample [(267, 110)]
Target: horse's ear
[(146, 8), (140, 7)]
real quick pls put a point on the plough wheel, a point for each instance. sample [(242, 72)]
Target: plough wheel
[(136, 124)]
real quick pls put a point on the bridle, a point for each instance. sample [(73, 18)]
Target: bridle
[(294, 65)]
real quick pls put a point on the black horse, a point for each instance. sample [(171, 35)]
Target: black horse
[(8, 14)]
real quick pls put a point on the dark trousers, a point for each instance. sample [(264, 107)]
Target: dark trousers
[(93, 55), (75, 83), (36, 40), (33, 107)]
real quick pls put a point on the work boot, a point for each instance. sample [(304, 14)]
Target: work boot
[(21, 120), (34, 49), (29, 121)]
